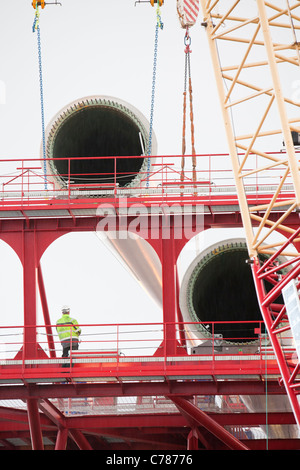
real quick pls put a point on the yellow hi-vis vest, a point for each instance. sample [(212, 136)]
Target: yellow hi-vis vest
[(67, 327)]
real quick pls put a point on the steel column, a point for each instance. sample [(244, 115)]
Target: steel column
[(61, 440), (34, 424), (192, 440), (29, 291), (179, 315), (46, 312), (169, 292)]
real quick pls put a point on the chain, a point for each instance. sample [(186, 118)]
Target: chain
[(159, 25), (36, 28)]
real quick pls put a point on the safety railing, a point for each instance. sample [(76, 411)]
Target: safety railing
[(141, 343), (25, 182)]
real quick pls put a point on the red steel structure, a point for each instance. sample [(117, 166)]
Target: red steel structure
[(174, 393), (181, 400)]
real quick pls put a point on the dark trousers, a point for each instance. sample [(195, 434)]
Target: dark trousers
[(66, 345)]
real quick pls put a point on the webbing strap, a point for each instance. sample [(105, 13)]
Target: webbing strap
[(187, 73)]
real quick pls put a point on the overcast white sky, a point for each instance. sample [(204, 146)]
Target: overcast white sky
[(95, 47)]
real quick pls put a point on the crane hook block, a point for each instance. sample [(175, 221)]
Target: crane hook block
[(36, 3), (160, 2), (187, 12)]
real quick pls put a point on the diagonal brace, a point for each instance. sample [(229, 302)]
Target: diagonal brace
[(191, 411)]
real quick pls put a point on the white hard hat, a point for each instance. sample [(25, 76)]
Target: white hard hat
[(65, 308)]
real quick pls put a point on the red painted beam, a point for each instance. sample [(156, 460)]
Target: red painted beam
[(35, 425), (169, 294), (202, 419), (80, 439), (192, 440), (52, 413), (158, 420), (156, 423), (22, 392), (19, 416), (62, 439), (30, 298)]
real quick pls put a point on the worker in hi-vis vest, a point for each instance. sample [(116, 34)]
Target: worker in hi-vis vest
[(68, 331)]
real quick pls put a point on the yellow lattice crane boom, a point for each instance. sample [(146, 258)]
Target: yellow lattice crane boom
[(256, 61)]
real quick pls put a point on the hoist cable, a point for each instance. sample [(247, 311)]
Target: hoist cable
[(159, 25), (36, 28)]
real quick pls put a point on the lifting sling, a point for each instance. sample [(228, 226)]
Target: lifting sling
[(188, 12), (187, 72)]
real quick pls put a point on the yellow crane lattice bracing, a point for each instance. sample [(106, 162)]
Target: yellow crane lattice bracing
[(248, 34), (256, 61)]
